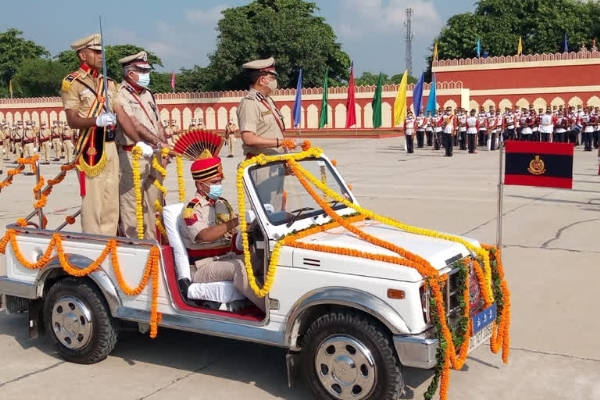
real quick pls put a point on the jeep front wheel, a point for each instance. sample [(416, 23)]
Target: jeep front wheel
[(347, 356), (79, 322)]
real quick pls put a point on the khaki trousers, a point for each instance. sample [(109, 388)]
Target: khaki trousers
[(100, 205), (230, 142), (2, 149), (18, 151), (68, 149), (226, 268), (58, 150), (150, 194), (28, 151), (45, 150)]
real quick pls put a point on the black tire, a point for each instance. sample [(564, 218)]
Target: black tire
[(89, 314), (351, 330)]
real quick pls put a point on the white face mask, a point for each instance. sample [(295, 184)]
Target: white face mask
[(272, 84), (143, 80)]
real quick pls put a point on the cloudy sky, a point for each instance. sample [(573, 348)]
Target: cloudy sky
[(183, 33)]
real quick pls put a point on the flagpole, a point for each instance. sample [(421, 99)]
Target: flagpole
[(500, 197)]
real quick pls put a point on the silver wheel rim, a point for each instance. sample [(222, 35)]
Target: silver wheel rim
[(346, 368), (72, 322)]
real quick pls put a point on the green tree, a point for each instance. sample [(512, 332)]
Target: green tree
[(370, 79), (13, 50), (285, 29), (114, 53), (38, 77), (499, 24)]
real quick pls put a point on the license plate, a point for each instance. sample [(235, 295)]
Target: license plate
[(482, 327)]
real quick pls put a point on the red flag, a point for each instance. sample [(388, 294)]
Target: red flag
[(173, 81), (350, 102), (539, 164)]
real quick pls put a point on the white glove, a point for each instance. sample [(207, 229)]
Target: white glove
[(35, 149), (106, 119), (146, 150)]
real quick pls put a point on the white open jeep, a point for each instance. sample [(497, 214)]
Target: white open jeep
[(353, 323)]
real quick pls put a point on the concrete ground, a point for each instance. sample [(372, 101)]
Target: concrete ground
[(550, 239)]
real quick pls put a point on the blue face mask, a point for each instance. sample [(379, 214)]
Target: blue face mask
[(143, 80), (215, 191)]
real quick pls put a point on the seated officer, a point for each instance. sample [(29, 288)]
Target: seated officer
[(207, 226)]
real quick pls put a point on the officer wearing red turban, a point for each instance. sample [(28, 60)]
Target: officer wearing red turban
[(207, 225)]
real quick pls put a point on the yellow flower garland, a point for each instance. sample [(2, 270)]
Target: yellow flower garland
[(453, 357), (158, 204), (180, 179), (137, 185)]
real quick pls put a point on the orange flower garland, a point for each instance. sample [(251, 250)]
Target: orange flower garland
[(289, 144), (151, 270)]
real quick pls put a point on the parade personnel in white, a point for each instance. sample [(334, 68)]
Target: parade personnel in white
[(472, 124), (409, 132)]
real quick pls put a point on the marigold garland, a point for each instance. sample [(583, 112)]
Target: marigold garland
[(157, 204), (180, 179), (452, 351), (151, 270), (69, 219), (136, 155)]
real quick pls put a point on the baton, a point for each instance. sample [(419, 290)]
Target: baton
[(104, 77)]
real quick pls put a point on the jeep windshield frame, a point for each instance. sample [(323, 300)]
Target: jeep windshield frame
[(274, 183)]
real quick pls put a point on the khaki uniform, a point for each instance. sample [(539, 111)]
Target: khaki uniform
[(18, 143), (57, 143), (142, 108), (28, 145), (169, 134), (45, 141), (68, 145), (199, 214), (100, 202), (258, 114), (175, 133), (230, 130), (2, 148)]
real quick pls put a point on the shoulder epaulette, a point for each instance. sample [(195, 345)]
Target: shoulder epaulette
[(251, 95), (68, 80), (188, 212), (130, 89)]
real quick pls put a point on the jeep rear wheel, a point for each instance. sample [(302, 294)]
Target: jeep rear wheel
[(79, 322), (347, 356)]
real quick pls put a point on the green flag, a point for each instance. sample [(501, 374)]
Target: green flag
[(376, 104), (323, 119)]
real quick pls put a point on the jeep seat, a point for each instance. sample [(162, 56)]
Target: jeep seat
[(218, 292)]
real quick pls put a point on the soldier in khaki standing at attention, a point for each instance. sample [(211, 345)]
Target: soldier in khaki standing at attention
[(44, 137), (262, 127), (56, 141), (140, 105), (230, 131), (68, 144), (82, 95), (28, 145)]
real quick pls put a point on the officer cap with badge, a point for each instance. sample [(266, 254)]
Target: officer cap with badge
[(139, 60), (260, 66), (92, 42)]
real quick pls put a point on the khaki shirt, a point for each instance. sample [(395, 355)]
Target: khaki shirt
[(3, 135), (28, 135), (44, 134), (255, 116), (200, 214), (139, 106), (79, 91), (67, 134)]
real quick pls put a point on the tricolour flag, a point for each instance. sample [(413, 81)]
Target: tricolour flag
[(539, 164), (298, 102), (376, 104), (400, 102), (324, 117), (350, 101)]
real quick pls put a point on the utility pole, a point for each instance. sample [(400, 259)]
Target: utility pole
[(409, 38)]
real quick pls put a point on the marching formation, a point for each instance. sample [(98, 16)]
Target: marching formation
[(467, 131)]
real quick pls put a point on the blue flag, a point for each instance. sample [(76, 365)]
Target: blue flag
[(431, 101), (298, 102), (418, 95), (566, 44), (478, 47)]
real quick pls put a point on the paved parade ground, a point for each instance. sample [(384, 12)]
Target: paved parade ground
[(551, 259)]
